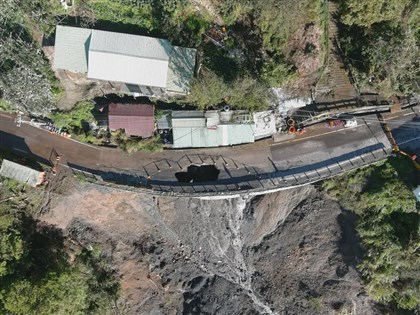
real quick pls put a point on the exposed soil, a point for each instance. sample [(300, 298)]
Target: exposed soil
[(76, 86), (291, 252)]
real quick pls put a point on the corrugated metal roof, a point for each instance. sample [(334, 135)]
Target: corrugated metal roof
[(131, 45), (223, 135), (188, 122), (119, 57), (194, 138), (71, 48), (21, 173), (129, 58), (131, 109), (213, 118), (236, 134), (181, 69), (135, 119), (128, 69)]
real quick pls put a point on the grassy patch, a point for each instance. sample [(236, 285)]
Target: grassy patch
[(151, 145), (88, 138)]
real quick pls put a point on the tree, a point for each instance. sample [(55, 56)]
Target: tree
[(250, 94), (381, 42), (36, 276), (367, 13), (397, 60), (12, 241), (207, 91), (24, 72), (389, 227), (243, 93)]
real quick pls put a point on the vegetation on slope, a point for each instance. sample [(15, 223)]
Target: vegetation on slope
[(41, 272), (254, 56), (389, 228), (272, 23), (26, 79), (177, 20), (211, 90), (381, 41)]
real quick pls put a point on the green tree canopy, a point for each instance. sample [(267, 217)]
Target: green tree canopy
[(248, 93), (36, 276), (208, 90), (366, 13), (389, 228)]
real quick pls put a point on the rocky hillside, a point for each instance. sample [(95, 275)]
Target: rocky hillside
[(286, 253)]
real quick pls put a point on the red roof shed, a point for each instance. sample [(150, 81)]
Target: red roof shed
[(135, 119)]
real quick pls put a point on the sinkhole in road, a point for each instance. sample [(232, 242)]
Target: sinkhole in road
[(196, 173)]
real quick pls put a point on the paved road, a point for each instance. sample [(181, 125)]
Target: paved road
[(335, 144), (261, 165)]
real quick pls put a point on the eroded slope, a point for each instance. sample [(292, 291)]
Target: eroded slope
[(285, 253)]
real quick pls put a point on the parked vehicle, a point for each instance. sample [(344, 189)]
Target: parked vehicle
[(335, 123)]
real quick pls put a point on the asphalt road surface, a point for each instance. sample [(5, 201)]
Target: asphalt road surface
[(264, 164), (334, 145)]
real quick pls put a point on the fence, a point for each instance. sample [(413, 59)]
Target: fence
[(252, 184)]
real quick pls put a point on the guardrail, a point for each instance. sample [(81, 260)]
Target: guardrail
[(248, 185)]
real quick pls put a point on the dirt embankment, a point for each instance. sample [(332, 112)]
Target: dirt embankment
[(286, 253)]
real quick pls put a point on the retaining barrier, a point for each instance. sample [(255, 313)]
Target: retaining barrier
[(252, 186)]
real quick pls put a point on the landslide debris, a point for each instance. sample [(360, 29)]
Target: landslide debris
[(291, 252)]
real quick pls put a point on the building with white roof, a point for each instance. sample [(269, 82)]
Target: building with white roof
[(144, 64)]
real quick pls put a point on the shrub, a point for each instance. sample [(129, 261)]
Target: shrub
[(76, 119)]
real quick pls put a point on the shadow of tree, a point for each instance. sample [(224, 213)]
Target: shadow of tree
[(46, 252), (349, 243)]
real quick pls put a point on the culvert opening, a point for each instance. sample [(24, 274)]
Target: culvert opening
[(196, 174)]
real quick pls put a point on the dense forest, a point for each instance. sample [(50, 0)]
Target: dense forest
[(41, 270), (381, 42), (389, 228)]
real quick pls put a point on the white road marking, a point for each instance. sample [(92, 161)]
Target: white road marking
[(407, 114)]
